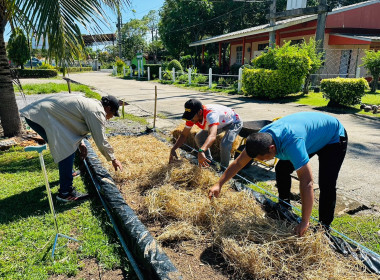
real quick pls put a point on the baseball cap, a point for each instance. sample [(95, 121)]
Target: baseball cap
[(113, 102), (192, 106)]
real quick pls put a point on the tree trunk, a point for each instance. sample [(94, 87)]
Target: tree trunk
[(9, 115), (375, 82), (306, 85)]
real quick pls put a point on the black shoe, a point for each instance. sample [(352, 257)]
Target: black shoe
[(72, 196)]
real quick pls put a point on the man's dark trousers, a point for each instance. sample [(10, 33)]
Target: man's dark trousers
[(330, 160)]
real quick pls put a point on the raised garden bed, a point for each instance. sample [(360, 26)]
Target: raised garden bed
[(231, 237)]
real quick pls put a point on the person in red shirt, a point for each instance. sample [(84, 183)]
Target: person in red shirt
[(212, 119)]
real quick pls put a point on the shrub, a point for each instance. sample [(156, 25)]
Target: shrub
[(167, 75), (119, 65), (176, 65), (186, 60), (154, 69), (343, 91), (372, 64), (200, 79), (184, 78), (46, 66), (234, 69), (75, 69), (36, 73)]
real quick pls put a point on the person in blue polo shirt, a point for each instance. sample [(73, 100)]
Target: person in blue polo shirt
[(294, 139)]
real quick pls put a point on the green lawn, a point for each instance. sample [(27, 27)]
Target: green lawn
[(45, 88), (316, 100), (26, 225)]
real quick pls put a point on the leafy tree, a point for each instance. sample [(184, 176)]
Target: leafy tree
[(133, 37), (18, 50), (316, 61), (156, 49), (151, 21), (58, 22), (372, 64), (186, 21)]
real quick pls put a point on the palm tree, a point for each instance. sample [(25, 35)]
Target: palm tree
[(56, 20)]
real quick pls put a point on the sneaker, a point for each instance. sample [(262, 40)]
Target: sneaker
[(72, 196)]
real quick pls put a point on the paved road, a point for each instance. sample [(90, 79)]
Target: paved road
[(359, 177)]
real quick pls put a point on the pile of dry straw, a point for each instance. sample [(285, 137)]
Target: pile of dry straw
[(255, 245)]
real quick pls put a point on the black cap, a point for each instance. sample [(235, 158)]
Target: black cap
[(113, 102), (192, 107)]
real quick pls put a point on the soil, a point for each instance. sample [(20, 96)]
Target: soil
[(92, 270)]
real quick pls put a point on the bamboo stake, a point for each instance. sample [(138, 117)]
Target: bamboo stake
[(155, 106)]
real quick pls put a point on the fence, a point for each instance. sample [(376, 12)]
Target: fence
[(345, 63), (191, 77)]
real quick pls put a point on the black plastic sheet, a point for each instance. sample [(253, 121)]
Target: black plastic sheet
[(148, 254)]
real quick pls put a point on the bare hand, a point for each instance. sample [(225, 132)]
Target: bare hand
[(301, 228), (116, 164), (83, 151), (202, 160), (173, 156), (214, 191)]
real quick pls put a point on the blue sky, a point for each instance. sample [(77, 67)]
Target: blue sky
[(142, 7)]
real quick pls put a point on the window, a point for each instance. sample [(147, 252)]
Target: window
[(296, 42), (239, 55), (262, 47)]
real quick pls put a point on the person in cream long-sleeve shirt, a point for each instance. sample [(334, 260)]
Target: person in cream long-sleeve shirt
[(63, 120)]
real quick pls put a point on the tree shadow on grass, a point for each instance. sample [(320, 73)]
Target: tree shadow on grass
[(29, 203)]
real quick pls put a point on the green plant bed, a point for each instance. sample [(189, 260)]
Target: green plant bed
[(363, 229), (26, 224), (56, 88)]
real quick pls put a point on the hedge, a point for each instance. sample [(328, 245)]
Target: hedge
[(344, 91), (75, 69), (36, 73), (278, 72), (288, 78), (154, 70)]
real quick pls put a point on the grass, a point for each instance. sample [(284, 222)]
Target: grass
[(316, 100), (26, 224), (132, 117), (45, 88)]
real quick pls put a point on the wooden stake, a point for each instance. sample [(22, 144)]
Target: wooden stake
[(68, 85), (155, 106)]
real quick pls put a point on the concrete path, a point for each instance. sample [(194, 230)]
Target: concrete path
[(359, 177)]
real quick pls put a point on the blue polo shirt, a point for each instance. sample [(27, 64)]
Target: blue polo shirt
[(298, 135)]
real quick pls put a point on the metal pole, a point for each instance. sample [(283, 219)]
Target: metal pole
[(119, 31), (155, 106)]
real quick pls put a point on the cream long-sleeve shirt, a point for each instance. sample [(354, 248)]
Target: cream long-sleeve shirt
[(67, 119)]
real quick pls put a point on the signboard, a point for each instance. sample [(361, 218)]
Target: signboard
[(295, 4)]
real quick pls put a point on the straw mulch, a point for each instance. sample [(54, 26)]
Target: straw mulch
[(215, 148), (255, 245)]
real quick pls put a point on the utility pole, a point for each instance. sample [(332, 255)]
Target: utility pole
[(321, 24), (118, 25), (272, 23)]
